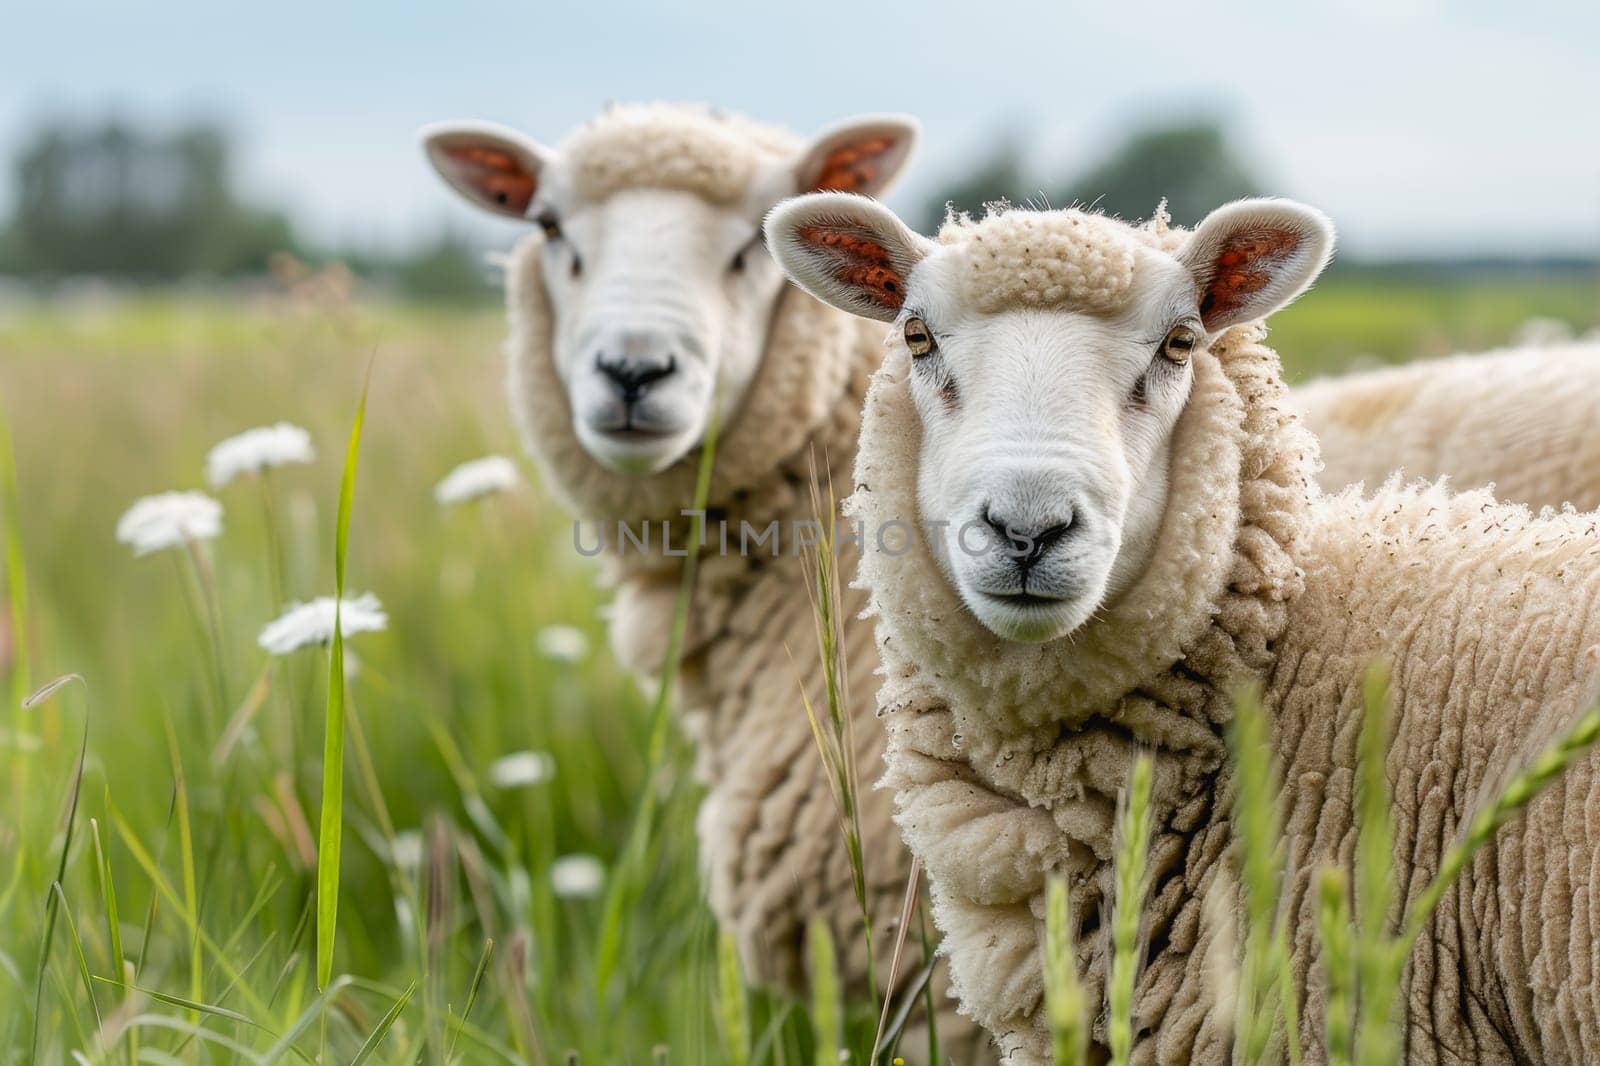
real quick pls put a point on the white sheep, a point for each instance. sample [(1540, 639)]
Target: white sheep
[(1119, 529), (645, 306), (1522, 419)]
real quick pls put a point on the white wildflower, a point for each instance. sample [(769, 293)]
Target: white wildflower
[(305, 624), (521, 769), (474, 480), (577, 876), (169, 520), (564, 644), (406, 851), (256, 450)]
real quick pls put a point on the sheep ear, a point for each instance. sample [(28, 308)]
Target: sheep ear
[(1252, 257), (846, 250), (864, 155), (495, 168)]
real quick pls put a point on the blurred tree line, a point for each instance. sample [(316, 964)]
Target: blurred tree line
[(116, 200), (1191, 164)]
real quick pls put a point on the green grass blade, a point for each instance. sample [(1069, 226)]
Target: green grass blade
[(330, 836), (314, 1011), (191, 905), (1131, 863), (472, 997), (108, 897), (1264, 994), (390, 1017), (1339, 963), (192, 1005), (1374, 879), (164, 890), (50, 904), (827, 1012), (1063, 993), (733, 1003), (77, 950), (15, 575)]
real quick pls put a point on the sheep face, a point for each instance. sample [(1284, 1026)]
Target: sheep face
[(661, 292), (660, 303), (1049, 358)]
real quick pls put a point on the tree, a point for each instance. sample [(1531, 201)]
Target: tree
[(1191, 165), (118, 200)]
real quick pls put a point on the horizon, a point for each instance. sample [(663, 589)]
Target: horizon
[(1389, 124)]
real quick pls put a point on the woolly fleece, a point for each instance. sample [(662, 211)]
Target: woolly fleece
[(713, 154), (1005, 759), (1522, 419), (771, 848)]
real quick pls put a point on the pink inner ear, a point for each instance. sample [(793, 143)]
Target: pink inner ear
[(863, 264), (1243, 269), (494, 174), (854, 166)]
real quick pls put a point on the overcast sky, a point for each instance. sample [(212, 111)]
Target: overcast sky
[(1421, 126)]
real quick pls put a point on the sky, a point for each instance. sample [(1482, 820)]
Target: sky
[(1421, 127)]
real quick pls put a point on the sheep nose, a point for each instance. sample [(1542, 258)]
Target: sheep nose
[(1027, 542), (635, 367)]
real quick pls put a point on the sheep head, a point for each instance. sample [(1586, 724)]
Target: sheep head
[(660, 289), (1050, 357)]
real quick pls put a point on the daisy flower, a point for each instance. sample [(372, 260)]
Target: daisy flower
[(564, 644), (521, 769), (477, 479), (256, 450), (305, 624), (577, 876), (169, 520), (406, 850)]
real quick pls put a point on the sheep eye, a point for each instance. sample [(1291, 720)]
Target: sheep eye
[(1180, 343), (741, 258), (918, 338), (552, 228)]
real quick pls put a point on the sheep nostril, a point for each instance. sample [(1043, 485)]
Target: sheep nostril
[(1027, 545), (632, 377), (1046, 539)]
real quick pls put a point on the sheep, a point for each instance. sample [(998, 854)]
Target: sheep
[(1116, 528), (1522, 419), (642, 308)]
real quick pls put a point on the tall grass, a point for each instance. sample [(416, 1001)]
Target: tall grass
[(833, 725), (1132, 855), (330, 840), (1065, 1003), (190, 892)]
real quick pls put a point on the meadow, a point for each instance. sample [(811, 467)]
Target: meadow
[(470, 925)]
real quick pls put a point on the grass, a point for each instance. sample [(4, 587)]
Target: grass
[(187, 925)]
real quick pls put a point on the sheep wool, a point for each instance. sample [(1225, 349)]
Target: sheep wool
[(1006, 758), (1517, 420), (1521, 419), (771, 847), (713, 154)]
